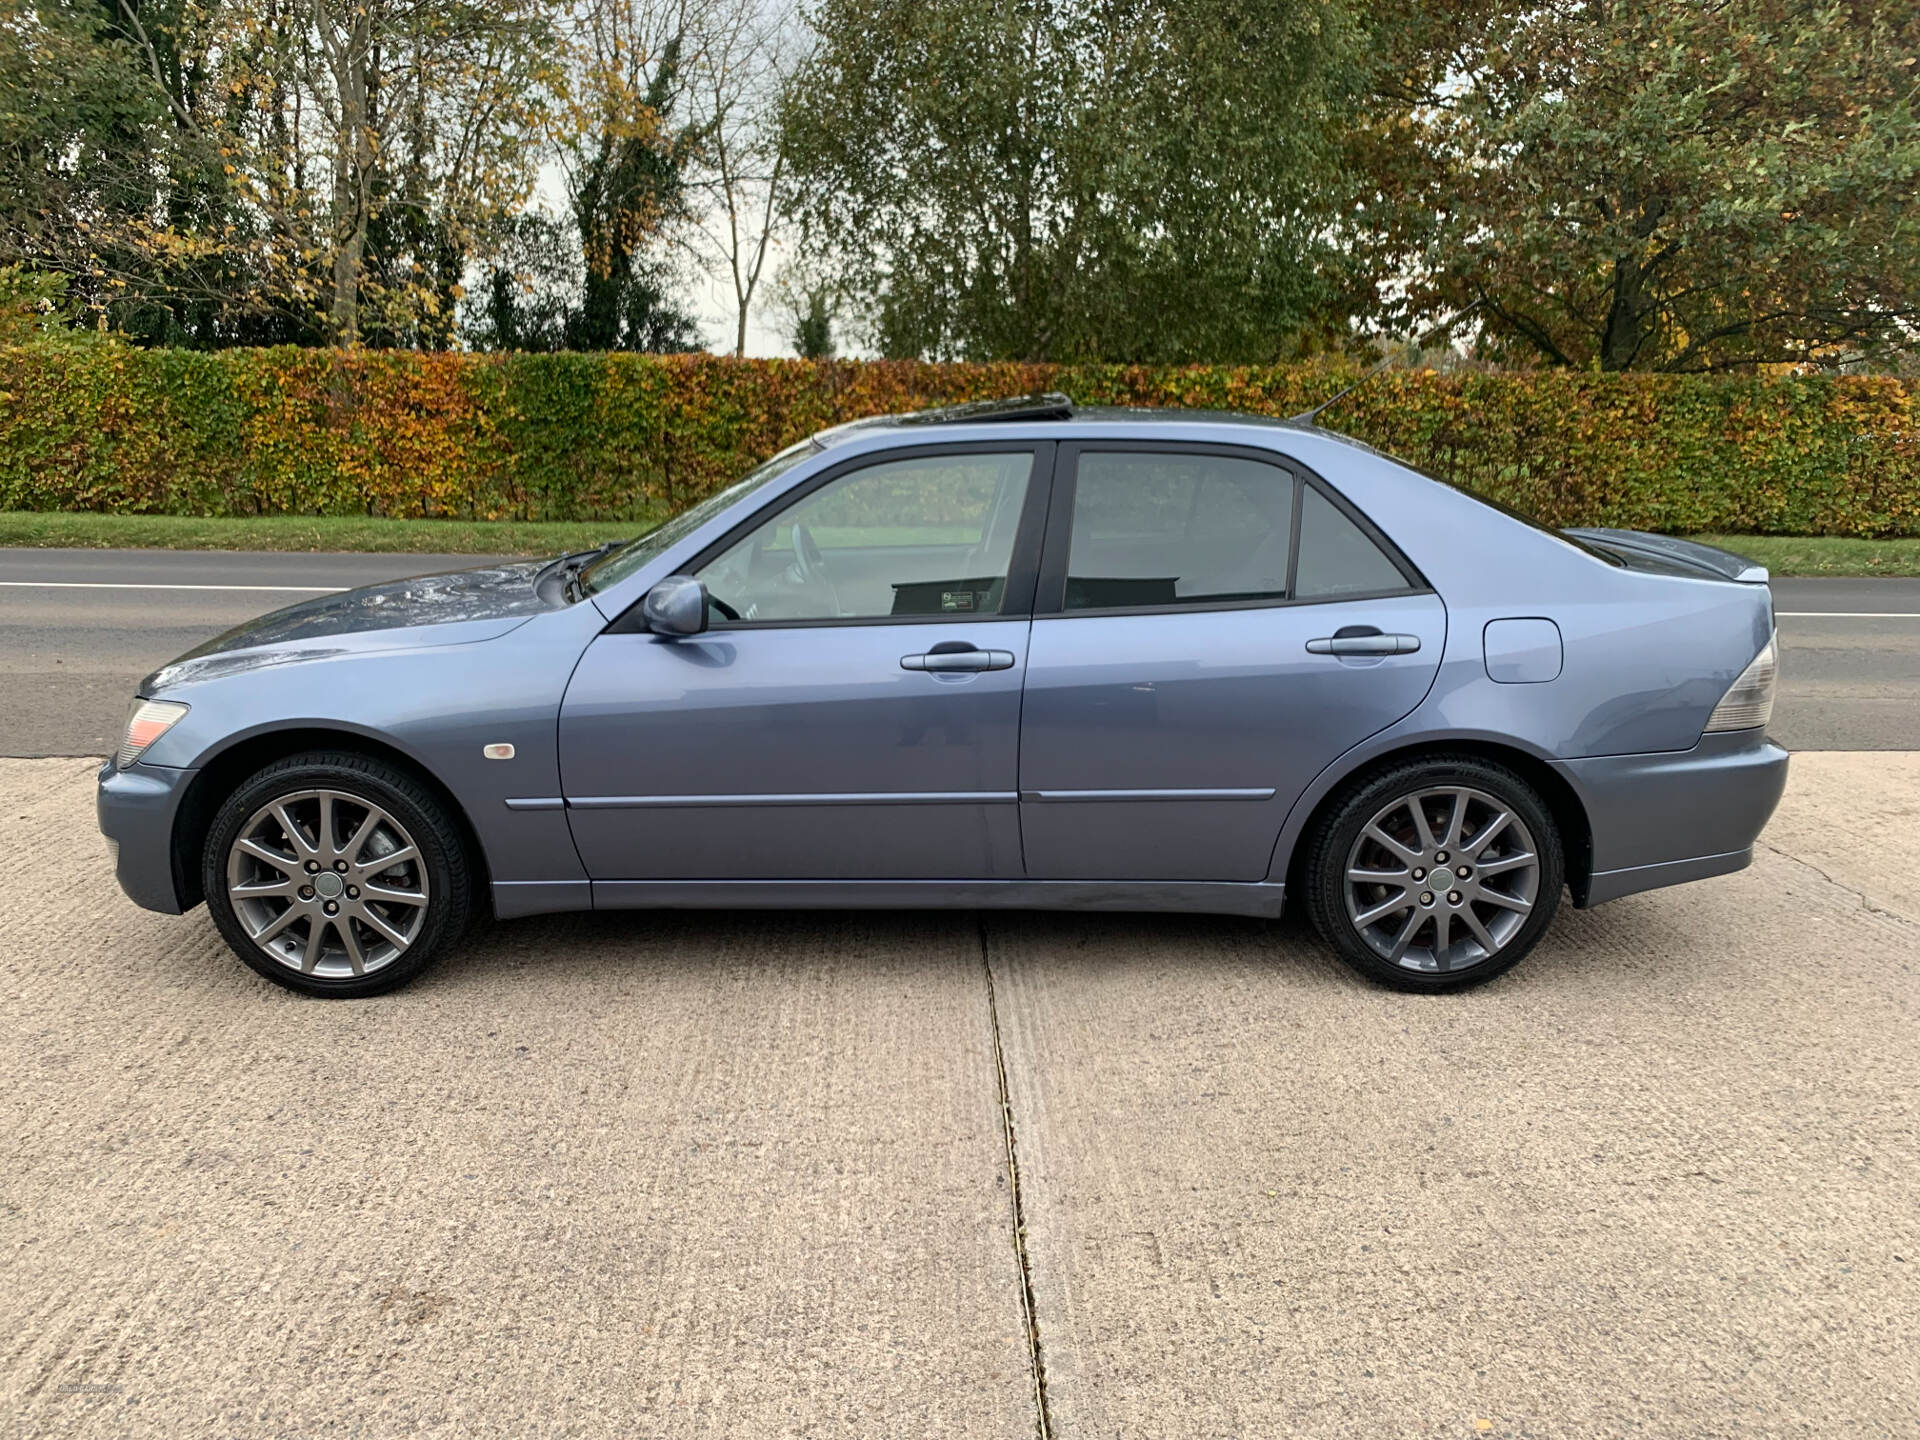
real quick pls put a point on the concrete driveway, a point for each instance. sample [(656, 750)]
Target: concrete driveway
[(762, 1175)]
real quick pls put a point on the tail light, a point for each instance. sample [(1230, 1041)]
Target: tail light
[(147, 721), (1748, 705)]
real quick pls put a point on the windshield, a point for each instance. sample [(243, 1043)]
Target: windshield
[(615, 566)]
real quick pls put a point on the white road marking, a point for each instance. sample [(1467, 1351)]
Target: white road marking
[(138, 585)]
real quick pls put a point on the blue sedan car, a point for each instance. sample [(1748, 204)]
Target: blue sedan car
[(1014, 656)]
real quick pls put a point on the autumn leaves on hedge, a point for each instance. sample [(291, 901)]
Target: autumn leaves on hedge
[(616, 437)]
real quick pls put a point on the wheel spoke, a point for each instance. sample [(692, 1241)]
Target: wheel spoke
[(343, 927), (1477, 927), (385, 895), (1510, 902), (295, 835), (316, 935), (1382, 838), (373, 820), (1380, 912), (1488, 832), (274, 926), (1455, 821), (399, 940), (386, 862), (1405, 937), (1442, 927), (1506, 863), (286, 864), (1360, 876), (285, 888), (323, 827), (1420, 826)]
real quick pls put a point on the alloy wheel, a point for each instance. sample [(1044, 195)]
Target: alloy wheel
[(328, 884), (1442, 879)]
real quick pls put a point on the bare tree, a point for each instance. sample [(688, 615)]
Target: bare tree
[(748, 50)]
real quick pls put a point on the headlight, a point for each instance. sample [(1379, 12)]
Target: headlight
[(1749, 704), (147, 721)]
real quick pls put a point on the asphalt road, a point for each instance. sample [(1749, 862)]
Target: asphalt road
[(78, 628), (688, 1175)]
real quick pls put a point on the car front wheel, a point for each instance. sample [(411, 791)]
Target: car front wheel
[(336, 874), (1435, 875)]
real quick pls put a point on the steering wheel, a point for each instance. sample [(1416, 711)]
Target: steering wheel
[(810, 566), (808, 562)]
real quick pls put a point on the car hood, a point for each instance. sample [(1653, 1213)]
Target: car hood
[(458, 607), (1670, 555)]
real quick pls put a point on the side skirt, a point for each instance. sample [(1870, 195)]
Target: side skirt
[(1261, 899)]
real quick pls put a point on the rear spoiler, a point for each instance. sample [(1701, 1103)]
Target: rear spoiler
[(1669, 555)]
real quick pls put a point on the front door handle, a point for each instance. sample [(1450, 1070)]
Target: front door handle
[(1369, 644), (942, 659)]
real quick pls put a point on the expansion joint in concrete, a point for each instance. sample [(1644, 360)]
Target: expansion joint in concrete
[(1029, 1315)]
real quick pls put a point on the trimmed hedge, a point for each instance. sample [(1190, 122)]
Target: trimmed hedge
[(605, 437)]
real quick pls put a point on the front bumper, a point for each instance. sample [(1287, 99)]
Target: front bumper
[(136, 809), (1682, 815)]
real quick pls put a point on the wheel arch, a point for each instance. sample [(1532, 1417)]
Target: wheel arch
[(220, 774), (1563, 802)]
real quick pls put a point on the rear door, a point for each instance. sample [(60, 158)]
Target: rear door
[(1211, 629)]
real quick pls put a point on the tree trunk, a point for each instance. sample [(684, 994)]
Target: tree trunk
[(352, 174)]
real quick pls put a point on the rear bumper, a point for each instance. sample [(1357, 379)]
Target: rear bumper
[(1667, 818), (136, 810)]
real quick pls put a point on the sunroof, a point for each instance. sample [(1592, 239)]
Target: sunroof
[(1050, 406)]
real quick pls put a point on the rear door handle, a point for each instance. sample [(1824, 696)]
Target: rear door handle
[(1375, 644), (952, 660)]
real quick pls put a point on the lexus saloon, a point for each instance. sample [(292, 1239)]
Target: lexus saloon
[(1020, 655)]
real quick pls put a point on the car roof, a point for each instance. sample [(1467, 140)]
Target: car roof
[(1056, 417)]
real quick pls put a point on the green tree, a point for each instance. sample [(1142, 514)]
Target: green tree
[(1672, 185), (266, 170), (1065, 179), (625, 155)]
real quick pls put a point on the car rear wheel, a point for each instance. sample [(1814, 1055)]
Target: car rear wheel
[(336, 874), (1435, 875)]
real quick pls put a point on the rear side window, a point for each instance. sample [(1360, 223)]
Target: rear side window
[(1337, 557), (1154, 529)]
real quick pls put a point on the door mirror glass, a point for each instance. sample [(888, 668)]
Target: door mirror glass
[(676, 606)]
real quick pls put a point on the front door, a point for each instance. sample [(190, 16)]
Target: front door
[(1178, 694), (853, 713)]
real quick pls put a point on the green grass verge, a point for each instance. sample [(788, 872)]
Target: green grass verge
[(1782, 554), (1823, 555), (301, 532)]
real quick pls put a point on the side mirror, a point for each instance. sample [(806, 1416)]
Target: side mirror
[(676, 606)]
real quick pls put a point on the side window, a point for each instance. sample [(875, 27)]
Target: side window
[(930, 536), (1154, 529), (1336, 557)]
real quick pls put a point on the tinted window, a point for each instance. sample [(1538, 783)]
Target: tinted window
[(1177, 529), (926, 536), (1336, 557)]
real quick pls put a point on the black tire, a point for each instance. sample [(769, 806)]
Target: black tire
[(442, 876), (1427, 908)]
